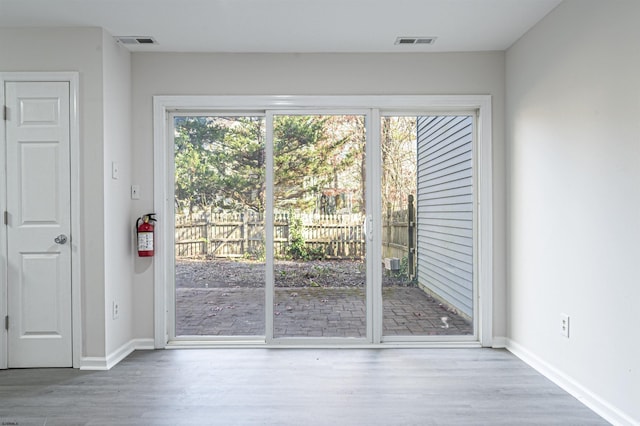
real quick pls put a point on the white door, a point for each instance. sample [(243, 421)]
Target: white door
[(38, 224)]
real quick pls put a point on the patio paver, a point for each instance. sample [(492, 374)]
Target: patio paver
[(311, 312)]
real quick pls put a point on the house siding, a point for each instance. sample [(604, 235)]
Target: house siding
[(445, 209)]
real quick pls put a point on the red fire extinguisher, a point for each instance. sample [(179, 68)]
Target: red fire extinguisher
[(144, 232)]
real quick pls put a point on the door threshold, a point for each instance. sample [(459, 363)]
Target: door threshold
[(250, 344)]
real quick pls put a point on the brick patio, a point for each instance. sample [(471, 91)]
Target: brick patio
[(311, 312)]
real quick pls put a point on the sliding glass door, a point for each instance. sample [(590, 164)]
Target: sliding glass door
[(219, 199), (427, 229), (297, 226), (319, 248)]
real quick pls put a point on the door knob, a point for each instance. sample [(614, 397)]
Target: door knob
[(61, 239)]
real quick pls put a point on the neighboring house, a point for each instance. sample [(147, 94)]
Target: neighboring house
[(566, 176)]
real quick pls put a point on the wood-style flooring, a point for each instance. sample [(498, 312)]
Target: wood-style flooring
[(301, 387)]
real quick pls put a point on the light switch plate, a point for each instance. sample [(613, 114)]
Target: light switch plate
[(115, 170)]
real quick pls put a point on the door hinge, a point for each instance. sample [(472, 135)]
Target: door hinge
[(5, 112), (6, 217), (6, 322)]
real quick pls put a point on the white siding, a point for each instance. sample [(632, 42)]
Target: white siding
[(445, 209)]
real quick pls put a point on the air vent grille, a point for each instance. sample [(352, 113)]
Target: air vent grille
[(135, 40), (415, 40)]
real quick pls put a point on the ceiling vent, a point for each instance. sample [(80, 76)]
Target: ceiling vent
[(135, 40), (415, 40)]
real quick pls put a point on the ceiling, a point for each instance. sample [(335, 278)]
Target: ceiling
[(291, 25)]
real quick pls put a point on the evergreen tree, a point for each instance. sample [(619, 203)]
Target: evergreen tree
[(220, 162)]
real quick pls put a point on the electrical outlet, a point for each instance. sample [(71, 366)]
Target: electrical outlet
[(116, 311), (564, 325)]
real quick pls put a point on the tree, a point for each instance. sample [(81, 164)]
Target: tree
[(307, 158), (398, 161), (238, 165), (220, 162), (194, 138)]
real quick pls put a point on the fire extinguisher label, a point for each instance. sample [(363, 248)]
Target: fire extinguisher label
[(145, 241)]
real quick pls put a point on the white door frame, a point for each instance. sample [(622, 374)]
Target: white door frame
[(163, 193), (76, 261)]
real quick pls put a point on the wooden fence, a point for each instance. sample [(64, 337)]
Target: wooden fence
[(219, 234), (230, 235), (340, 236), (399, 235)]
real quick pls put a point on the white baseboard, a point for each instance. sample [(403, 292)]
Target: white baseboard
[(499, 342), (144, 344), (570, 385), (93, 363), (108, 362)]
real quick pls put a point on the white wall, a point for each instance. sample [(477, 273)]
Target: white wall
[(573, 142), (118, 238), (310, 74), (75, 49)]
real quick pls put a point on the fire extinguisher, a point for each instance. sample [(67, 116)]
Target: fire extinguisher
[(144, 232)]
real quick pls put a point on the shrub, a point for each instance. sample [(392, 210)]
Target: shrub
[(297, 248)]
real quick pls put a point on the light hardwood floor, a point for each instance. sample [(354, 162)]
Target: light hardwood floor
[(294, 387)]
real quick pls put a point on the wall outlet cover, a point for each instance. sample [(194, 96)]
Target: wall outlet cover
[(116, 311), (564, 325)]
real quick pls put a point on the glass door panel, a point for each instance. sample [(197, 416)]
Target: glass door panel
[(319, 212), (219, 225), (428, 225)]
